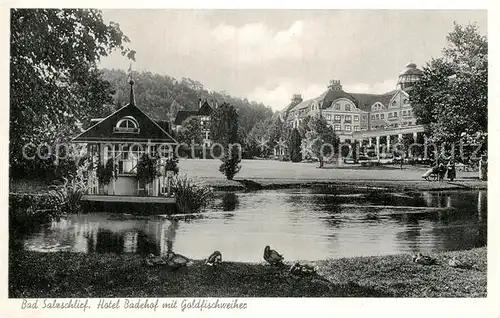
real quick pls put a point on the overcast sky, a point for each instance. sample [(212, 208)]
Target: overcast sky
[(268, 55)]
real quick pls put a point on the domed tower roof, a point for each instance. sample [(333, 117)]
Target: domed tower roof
[(409, 76), (410, 69)]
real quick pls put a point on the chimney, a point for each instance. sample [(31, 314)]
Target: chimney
[(335, 85), (296, 99)]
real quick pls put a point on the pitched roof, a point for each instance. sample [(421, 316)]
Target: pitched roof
[(332, 95), (183, 115), (204, 110), (365, 101), (104, 130)]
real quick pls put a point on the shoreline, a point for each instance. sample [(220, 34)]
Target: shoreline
[(386, 185), (124, 275)]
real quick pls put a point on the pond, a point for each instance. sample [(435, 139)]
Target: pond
[(302, 224)]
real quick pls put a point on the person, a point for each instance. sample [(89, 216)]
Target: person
[(452, 173), (483, 168), (441, 171), (433, 170)]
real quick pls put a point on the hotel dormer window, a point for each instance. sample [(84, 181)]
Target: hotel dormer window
[(347, 108), (127, 124), (337, 106)]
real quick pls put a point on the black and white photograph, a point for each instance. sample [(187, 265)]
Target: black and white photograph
[(198, 158)]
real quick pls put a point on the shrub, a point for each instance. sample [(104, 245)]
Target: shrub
[(230, 165), (147, 168), (105, 173), (191, 196), (67, 195)]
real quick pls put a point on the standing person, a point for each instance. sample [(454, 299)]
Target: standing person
[(452, 173), (483, 168)]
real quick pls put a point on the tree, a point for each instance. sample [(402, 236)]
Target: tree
[(295, 146), (257, 140), (304, 126), (224, 130), (451, 99), (55, 83), (320, 139), (190, 131)]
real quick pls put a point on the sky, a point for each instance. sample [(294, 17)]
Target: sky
[(269, 55)]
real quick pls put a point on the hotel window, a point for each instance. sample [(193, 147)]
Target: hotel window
[(404, 112), (381, 116), (356, 128), (395, 114), (356, 117), (348, 118), (376, 116), (328, 117), (336, 127), (405, 101), (347, 127), (337, 106), (389, 115), (347, 108), (364, 117), (337, 118), (373, 117)]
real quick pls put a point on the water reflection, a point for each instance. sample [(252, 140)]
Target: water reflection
[(301, 223)]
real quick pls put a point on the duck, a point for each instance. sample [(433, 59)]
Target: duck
[(302, 269), (152, 260), (454, 262), (177, 260), (214, 259), (272, 257), (423, 259)]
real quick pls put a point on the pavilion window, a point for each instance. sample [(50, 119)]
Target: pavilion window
[(127, 124)]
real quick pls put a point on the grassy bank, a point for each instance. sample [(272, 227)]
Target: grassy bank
[(33, 275)]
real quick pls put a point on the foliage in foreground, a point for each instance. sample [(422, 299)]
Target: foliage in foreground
[(451, 99), (37, 275), (53, 91), (191, 196)]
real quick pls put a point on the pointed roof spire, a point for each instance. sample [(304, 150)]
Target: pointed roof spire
[(131, 82)]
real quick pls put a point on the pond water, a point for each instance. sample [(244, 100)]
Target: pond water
[(302, 224)]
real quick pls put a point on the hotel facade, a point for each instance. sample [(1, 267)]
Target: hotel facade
[(367, 119)]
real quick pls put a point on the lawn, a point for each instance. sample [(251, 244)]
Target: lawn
[(36, 275)]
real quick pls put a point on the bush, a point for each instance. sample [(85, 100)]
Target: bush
[(230, 165), (67, 195), (105, 173), (191, 196), (147, 168), (28, 211)]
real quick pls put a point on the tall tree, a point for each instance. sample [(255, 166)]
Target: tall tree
[(451, 99), (55, 83), (320, 139), (295, 146), (304, 126), (190, 131), (224, 130)]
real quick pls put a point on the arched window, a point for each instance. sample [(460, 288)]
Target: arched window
[(127, 124)]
